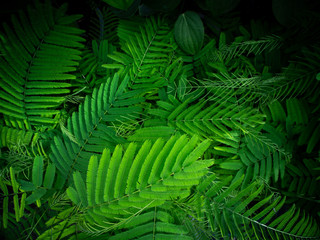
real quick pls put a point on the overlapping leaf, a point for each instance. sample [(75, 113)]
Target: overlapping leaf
[(146, 55), (208, 119), (122, 183), (157, 224), (91, 73), (38, 59), (256, 158), (11, 136), (103, 26), (92, 127), (246, 215)]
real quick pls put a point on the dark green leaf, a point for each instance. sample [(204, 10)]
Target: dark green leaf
[(189, 32), (36, 195)]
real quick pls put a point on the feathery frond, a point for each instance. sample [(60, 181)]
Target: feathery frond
[(245, 214), (205, 118), (91, 73), (38, 59), (128, 137), (91, 126), (300, 76), (146, 55), (122, 183), (103, 26)]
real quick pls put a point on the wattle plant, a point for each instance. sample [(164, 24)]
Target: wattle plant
[(158, 120)]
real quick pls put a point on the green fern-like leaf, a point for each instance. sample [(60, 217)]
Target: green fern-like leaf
[(233, 57), (248, 47), (247, 89), (103, 26), (299, 184), (92, 128), (257, 158), (38, 59), (300, 76), (119, 184), (146, 54), (244, 213), (61, 225), (214, 119), (11, 136), (152, 224), (91, 73)]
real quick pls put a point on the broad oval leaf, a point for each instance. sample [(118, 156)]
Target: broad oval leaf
[(121, 4), (189, 32)]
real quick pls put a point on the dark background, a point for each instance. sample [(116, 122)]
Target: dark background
[(248, 9)]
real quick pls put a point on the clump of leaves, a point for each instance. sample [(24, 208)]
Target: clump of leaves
[(158, 120)]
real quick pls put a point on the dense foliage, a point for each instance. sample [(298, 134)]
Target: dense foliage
[(160, 120)]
